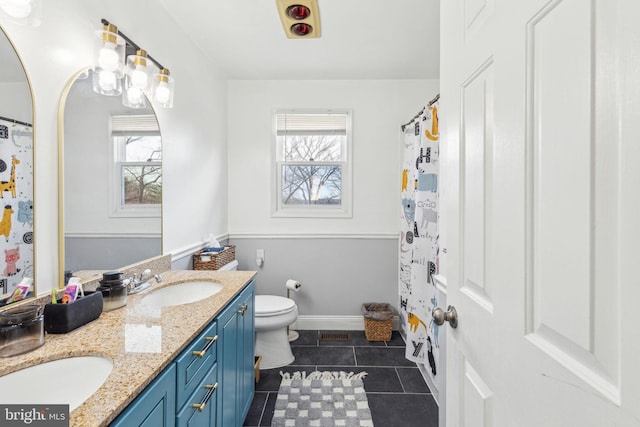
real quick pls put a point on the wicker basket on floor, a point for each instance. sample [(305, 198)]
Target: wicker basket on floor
[(378, 321), (216, 260)]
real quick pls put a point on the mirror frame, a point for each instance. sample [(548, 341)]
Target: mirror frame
[(33, 163), (61, 217)]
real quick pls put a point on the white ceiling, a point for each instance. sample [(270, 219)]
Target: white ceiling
[(360, 39)]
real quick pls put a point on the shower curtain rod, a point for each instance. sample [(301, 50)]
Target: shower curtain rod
[(15, 121), (429, 104)]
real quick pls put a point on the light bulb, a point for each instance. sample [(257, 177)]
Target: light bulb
[(108, 57), (134, 95), (107, 80), (162, 92), (17, 8), (139, 78)]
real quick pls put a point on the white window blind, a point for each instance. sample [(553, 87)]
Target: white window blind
[(134, 125), (311, 124)]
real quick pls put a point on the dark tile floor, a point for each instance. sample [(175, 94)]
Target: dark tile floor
[(397, 393)]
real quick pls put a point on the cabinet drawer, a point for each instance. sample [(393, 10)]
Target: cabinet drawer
[(204, 394), (194, 363)]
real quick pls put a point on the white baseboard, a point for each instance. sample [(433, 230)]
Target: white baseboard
[(335, 323)]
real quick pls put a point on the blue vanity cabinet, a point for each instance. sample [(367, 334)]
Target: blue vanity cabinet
[(211, 382), (155, 406), (236, 328)]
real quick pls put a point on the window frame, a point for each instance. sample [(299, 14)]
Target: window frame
[(344, 210), (117, 208)]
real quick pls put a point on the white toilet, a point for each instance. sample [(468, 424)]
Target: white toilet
[(273, 315)]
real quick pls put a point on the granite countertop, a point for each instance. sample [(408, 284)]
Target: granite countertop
[(140, 339)]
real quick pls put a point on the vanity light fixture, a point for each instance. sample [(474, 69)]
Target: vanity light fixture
[(300, 18), (138, 70), (23, 12), (162, 90), (108, 69), (132, 96), (140, 75), (137, 80)]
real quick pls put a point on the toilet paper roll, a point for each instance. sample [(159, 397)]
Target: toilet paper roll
[(294, 285)]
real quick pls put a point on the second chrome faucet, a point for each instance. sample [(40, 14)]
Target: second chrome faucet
[(136, 285)]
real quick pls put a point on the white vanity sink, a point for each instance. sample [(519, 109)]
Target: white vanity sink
[(72, 380), (182, 293)]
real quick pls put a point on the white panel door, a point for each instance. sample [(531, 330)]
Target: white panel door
[(540, 152)]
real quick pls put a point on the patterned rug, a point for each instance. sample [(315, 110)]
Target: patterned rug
[(322, 399)]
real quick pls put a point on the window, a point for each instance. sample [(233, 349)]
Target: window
[(137, 166), (312, 164)]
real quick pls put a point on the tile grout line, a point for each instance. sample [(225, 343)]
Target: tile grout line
[(399, 394), (395, 368), (264, 407)]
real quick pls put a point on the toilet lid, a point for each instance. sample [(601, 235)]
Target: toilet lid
[(271, 305)]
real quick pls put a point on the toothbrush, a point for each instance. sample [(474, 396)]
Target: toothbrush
[(54, 296)]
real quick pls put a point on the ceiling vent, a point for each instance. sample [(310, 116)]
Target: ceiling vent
[(300, 18)]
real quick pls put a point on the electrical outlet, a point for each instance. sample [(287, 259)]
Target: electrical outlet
[(260, 253)]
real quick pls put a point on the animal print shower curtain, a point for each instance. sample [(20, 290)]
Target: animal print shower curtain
[(419, 239), (16, 191)]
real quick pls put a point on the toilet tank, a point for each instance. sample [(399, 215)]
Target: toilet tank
[(233, 265)]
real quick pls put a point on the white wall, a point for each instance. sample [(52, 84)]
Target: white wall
[(193, 131), (341, 262), (379, 108)]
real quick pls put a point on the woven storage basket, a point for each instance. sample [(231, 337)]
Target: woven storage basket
[(378, 321), (378, 330), (219, 259)]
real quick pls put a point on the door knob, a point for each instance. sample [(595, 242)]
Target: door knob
[(440, 316)]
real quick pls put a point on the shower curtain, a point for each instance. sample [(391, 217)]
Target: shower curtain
[(16, 191), (419, 239)]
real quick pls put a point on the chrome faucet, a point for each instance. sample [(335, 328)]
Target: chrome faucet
[(136, 285), (146, 276)]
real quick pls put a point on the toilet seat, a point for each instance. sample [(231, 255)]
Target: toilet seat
[(273, 305)]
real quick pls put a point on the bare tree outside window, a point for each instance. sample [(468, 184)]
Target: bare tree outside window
[(312, 161), (308, 175), (141, 170)]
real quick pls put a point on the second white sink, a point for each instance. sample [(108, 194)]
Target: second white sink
[(72, 380), (182, 293)]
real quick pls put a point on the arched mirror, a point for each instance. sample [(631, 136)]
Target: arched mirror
[(16, 173), (110, 182)]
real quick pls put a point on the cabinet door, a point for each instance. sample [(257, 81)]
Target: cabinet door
[(228, 365), (235, 356), (155, 406), (246, 342)]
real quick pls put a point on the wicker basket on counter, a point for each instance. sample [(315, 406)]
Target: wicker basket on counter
[(213, 261)]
